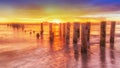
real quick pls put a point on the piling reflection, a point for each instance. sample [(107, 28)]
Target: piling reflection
[(112, 56), (103, 57), (76, 52), (61, 52), (84, 59)]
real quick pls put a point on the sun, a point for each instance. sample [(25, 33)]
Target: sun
[(56, 21)]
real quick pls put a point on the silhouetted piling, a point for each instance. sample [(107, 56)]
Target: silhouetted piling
[(30, 33), (112, 32), (41, 32), (37, 35), (51, 34), (33, 32), (60, 27), (103, 34), (50, 27), (67, 35), (52, 37), (76, 32), (84, 46), (88, 34), (64, 30)]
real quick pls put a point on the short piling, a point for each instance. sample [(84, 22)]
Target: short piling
[(37, 35)]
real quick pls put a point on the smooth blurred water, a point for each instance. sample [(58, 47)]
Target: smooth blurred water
[(19, 48)]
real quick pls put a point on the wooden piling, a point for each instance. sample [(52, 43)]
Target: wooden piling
[(76, 32), (112, 32), (60, 27), (37, 35), (67, 35), (103, 34), (51, 34), (50, 28), (88, 33), (64, 30), (84, 46), (41, 29), (68, 30)]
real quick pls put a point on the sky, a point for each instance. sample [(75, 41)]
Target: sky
[(21, 10)]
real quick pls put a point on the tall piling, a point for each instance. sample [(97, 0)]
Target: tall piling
[(112, 32), (76, 35), (88, 33), (64, 30), (60, 29), (41, 32), (84, 46), (103, 33), (51, 34), (76, 32), (67, 35), (50, 28)]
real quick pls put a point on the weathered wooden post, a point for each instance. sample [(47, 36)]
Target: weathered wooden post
[(84, 46), (41, 32), (50, 28), (67, 35), (103, 34), (41, 29), (60, 27), (112, 32), (51, 34), (76, 32), (88, 33), (37, 35), (64, 30), (76, 35)]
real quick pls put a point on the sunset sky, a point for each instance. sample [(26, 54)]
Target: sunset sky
[(51, 10)]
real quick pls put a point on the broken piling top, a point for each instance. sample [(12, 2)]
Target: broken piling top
[(103, 33), (112, 32)]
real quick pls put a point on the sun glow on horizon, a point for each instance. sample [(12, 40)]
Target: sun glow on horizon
[(57, 21)]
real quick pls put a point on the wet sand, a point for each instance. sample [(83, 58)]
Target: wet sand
[(19, 48)]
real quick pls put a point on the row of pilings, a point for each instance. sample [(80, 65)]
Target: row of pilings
[(83, 35)]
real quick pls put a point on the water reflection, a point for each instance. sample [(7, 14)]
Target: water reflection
[(62, 52), (84, 59), (112, 56), (76, 52), (103, 57)]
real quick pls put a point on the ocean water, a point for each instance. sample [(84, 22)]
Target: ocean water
[(19, 48)]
